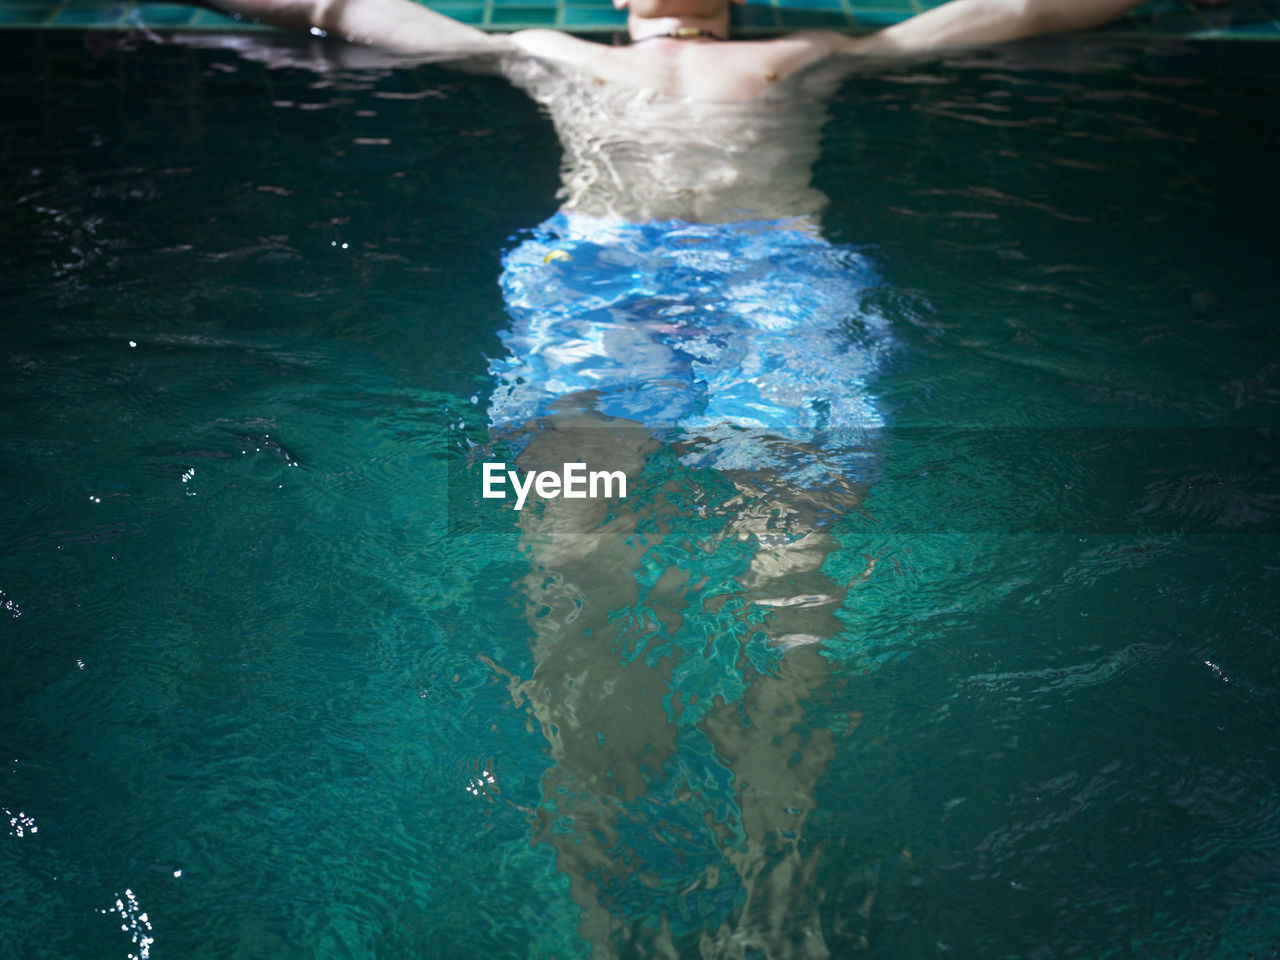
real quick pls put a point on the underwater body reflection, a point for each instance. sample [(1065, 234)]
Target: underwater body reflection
[(683, 320)]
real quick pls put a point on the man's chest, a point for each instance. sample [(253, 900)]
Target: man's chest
[(712, 72)]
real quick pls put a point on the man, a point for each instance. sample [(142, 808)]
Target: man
[(679, 54), (636, 135), (684, 295)]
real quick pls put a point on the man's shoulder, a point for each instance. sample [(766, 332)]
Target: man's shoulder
[(733, 70), (565, 47), (776, 58), (810, 42)]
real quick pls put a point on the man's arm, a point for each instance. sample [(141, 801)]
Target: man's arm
[(398, 25), (956, 25), (978, 23), (404, 26)]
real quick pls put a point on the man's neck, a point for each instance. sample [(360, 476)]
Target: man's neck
[(646, 28)]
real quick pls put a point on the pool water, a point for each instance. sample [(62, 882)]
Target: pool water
[(278, 683)]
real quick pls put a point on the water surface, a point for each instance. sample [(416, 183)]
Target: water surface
[(252, 625)]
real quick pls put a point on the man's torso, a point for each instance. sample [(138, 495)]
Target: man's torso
[(700, 69), (672, 129)]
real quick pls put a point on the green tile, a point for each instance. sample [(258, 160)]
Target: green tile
[(906, 7), (1256, 31), (1157, 7), (1172, 24), (595, 17), (1239, 13), (877, 19), (208, 18), (755, 16), (23, 16), (523, 17), (107, 15), (1248, 10), (164, 14), (811, 5), (813, 19), (1241, 19), (212, 20), (471, 13)]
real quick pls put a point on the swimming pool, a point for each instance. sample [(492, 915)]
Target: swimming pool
[(277, 678)]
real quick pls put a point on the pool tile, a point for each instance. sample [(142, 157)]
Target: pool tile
[(1241, 19), (595, 17), (164, 14), (1157, 7), (867, 19), (24, 16), (471, 13), (508, 17), (106, 15), (1250, 13), (811, 5), (1253, 31), (813, 19), (1181, 22), (902, 8), (212, 20), (755, 17)]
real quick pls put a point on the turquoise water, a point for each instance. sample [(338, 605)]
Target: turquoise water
[(278, 680)]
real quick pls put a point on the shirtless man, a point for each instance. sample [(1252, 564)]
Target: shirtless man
[(647, 95), (684, 294)]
